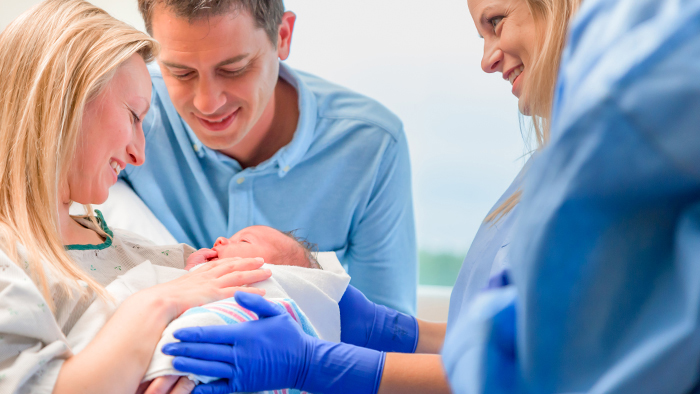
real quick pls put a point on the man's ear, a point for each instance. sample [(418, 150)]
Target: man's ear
[(284, 37)]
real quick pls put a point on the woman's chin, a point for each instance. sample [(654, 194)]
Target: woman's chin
[(524, 107)]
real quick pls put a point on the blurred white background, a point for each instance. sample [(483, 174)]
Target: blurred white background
[(422, 60)]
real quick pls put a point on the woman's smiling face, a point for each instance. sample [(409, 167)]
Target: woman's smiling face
[(509, 34), (111, 136)]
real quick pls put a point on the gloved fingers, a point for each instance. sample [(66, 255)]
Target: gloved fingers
[(218, 334), (201, 351), (201, 367), (258, 305), (216, 387)]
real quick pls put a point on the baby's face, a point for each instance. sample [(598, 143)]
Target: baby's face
[(262, 241)]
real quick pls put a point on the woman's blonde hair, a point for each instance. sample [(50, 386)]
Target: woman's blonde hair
[(551, 23), (54, 59)]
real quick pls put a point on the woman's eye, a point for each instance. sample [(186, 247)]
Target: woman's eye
[(134, 118), (495, 21)]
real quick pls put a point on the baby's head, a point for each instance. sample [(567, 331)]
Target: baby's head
[(274, 246)]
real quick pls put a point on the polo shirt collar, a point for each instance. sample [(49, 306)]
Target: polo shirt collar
[(291, 154)]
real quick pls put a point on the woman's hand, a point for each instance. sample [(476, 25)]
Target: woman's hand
[(201, 256), (272, 353), (170, 384), (215, 281)]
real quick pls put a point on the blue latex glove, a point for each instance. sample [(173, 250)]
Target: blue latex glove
[(272, 353), (364, 323)]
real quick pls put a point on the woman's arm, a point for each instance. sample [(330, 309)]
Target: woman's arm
[(430, 337), (117, 358), (413, 373)]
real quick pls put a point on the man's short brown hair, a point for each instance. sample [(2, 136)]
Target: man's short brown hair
[(266, 13)]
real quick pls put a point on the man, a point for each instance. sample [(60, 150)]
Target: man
[(236, 138)]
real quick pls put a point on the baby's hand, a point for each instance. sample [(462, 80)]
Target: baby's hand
[(200, 257)]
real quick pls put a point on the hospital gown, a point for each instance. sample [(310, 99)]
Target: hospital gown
[(33, 342), (606, 254)]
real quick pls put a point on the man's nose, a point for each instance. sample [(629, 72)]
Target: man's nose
[(209, 96)]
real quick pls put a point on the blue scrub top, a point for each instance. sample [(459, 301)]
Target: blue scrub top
[(488, 255), (606, 252), (343, 182)]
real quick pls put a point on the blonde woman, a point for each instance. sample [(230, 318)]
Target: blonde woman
[(73, 93), (523, 40)]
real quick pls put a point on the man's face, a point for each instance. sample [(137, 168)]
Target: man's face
[(220, 73)]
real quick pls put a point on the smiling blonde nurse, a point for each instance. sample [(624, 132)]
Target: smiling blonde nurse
[(74, 90), (523, 40)]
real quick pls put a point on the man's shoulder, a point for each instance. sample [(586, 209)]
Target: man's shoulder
[(335, 102)]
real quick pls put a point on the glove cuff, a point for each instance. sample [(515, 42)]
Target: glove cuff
[(343, 368), (393, 331)]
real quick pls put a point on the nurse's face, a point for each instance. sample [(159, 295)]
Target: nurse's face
[(508, 30), (111, 135)]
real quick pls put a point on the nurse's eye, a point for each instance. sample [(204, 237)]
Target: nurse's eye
[(495, 21)]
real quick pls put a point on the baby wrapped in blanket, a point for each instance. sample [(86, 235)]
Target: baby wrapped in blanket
[(308, 285)]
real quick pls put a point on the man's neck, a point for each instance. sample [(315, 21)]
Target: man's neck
[(274, 130)]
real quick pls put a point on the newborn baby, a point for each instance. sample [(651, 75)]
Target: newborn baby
[(309, 295), (274, 246)]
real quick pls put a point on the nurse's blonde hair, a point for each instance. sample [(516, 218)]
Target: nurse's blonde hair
[(54, 59), (551, 23)]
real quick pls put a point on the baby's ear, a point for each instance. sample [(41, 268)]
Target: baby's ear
[(221, 241)]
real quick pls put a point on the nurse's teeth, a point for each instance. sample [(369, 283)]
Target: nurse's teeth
[(515, 74)]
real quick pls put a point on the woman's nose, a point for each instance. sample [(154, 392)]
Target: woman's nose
[(136, 150), (492, 60), (209, 96)]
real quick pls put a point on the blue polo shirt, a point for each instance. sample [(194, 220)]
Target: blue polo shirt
[(343, 182)]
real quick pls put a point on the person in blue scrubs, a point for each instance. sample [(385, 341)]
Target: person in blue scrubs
[(607, 275), (383, 350), (236, 138)]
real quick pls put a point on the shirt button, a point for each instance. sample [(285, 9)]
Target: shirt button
[(196, 148), (240, 180), (286, 169)]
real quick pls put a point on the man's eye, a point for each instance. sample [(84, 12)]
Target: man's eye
[(183, 76), (233, 73)]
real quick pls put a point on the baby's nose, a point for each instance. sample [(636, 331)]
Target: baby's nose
[(221, 241)]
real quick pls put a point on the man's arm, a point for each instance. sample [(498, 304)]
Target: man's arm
[(382, 257)]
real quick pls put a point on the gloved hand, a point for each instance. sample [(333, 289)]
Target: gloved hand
[(364, 323), (272, 353)]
